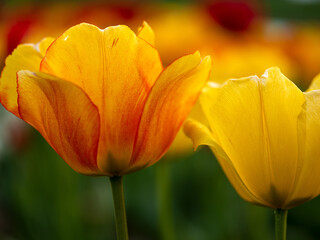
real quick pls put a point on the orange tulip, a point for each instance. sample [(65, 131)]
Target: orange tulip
[(101, 98)]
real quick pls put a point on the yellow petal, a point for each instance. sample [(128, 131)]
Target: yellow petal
[(65, 117), (201, 135), (308, 178), (282, 102), (315, 83), (146, 33), (170, 100), (24, 57), (117, 70), (255, 121)]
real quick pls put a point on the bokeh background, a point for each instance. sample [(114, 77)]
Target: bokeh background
[(42, 198)]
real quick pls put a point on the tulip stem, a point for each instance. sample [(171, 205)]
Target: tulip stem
[(119, 207), (164, 201), (280, 223)]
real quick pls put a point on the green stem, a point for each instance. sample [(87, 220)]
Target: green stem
[(164, 201), (280, 223), (119, 207)]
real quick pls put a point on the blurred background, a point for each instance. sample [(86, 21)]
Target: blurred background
[(186, 195)]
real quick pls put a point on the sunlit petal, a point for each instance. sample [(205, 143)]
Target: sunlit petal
[(64, 115), (146, 33), (24, 57), (170, 100)]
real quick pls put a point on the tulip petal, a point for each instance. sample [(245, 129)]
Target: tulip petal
[(308, 178), (146, 33), (201, 135), (24, 57), (315, 84), (117, 70), (281, 126), (64, 115), (170, 100), (259, 137)]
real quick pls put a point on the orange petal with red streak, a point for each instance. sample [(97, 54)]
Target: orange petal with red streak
[(64, 115), (170, 101)]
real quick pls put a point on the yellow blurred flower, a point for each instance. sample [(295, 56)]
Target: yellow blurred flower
[(304, 49), (265, 133), (101, 98), (237, 60), (179, 30)]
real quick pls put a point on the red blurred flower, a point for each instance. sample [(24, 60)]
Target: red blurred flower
[(234, 16), (16, 32)]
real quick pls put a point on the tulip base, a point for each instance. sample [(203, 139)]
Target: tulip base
[(119, 207), (280, 223)]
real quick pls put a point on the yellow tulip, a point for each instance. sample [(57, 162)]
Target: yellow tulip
[(233, 62), (101, 98), (265, 133)]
